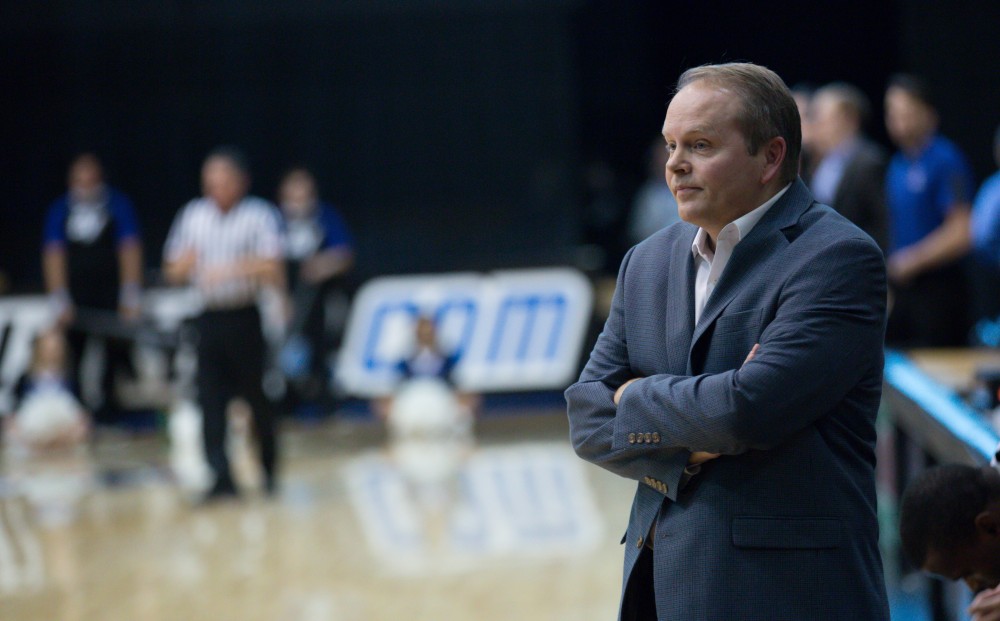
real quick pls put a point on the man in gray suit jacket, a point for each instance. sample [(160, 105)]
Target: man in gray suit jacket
[(850, 175), (738, 377)]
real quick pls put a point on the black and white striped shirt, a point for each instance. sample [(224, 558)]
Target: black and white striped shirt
[(250, 230)]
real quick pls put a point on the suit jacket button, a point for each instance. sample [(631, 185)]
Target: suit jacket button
[(649, 437), (656, 437), (631, 438), (638, 544)]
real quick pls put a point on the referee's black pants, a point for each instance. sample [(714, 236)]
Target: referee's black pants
[(231, 354)]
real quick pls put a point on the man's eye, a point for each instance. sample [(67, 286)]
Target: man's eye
[(700, 146)]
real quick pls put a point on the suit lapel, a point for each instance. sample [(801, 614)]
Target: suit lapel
[(763, 241), (680, 304)]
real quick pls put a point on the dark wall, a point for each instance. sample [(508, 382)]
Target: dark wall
[(956, 46), (439, 128), (454, 134)]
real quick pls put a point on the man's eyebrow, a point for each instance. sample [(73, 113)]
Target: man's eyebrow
[(699, 130)]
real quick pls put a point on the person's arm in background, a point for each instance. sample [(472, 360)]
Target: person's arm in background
[(328, 263), (179, 254), (54, 267), (336, 256), (129, 257), (130, 276), (945, 244), (948, 242)]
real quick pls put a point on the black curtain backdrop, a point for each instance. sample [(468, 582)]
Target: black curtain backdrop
[(452, 134)]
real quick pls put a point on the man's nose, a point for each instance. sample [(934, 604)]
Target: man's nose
[(676, 162)]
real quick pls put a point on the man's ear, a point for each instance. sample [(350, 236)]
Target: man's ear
[(775, 152), (988, 524)]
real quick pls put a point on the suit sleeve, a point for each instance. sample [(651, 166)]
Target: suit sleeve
[(592, 411), (825, 338)]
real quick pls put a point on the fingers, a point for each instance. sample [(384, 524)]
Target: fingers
[(700, 457), (986, 606), (621, 389), (753, 352)]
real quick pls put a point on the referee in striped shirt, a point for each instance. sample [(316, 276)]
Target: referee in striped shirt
[(229, 245)]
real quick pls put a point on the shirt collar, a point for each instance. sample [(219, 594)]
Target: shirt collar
[(736, 230)]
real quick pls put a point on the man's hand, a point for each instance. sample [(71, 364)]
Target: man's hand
[(986, 606), (902, 267), (178, 271), (621, 389)]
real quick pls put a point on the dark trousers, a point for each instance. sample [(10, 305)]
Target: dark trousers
[(639, 602), (231, 353), (117, 357), (311, 322), (932, 311)]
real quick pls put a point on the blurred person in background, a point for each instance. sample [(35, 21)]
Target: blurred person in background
[(320, 255), (985, 226), (850, 169), (47, 412), (949, 526), (92, 264), (929, 187), (604, 218), (426, 359), (45, 452), (229, 245), (802, 94), (654, 206), (428, 419)]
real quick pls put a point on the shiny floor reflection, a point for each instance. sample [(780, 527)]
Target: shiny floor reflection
[(515, 528)]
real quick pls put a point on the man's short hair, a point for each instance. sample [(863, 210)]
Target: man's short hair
[(850, 98), (767, 108), (914, 86), (939, 509), (234, 155)]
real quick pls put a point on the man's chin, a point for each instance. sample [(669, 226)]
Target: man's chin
[(689, 214)]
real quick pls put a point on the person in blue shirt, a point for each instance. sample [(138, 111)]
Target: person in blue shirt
[(92, 263), (929, 187), (985, 226), (319, 254)]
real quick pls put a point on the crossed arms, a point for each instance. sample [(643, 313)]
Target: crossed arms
[(824, 338)]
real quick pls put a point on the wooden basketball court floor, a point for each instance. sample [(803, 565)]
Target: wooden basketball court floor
[(514, 527)]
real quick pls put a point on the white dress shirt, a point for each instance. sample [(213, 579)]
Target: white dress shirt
[(251, 229), (712, 263)]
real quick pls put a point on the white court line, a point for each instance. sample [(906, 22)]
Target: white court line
[(9, 579), (34, 563)]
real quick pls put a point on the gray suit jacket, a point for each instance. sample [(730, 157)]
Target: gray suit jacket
[(783, 525), (860, 195)]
